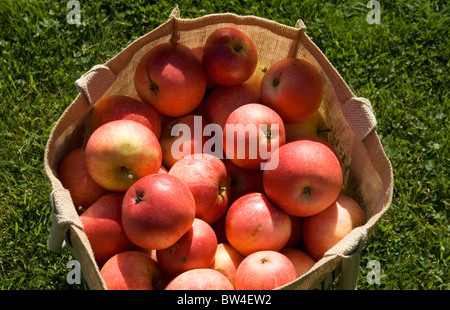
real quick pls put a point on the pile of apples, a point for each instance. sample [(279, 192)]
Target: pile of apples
[(210, 219)]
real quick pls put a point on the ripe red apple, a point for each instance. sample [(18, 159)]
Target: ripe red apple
[(74, 176), (307, 180), (296, 231), (227, 261), (131, 270), (157, 211), (229, 56), (264, 270), (324, 230), (293, 88), (252, 133), (121, 152), (208, 180), (225, 99), (254, 224), (200, 279), (303, 262), (256, 78), (117, 107), (102, 224), (185, 143), (243, 181), (198, 52), (195, 249), (171, 79)]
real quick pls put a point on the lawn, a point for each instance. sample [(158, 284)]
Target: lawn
[(400, 64)]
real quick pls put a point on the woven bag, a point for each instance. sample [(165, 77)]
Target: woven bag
[(368, 176)]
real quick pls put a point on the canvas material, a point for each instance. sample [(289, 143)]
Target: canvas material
[(368, 175)]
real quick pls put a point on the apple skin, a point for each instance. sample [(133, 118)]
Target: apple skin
[(118, 107), (324, 230), (200, 279), (189, 144), (131, 270), (243, 181), (302, 261), (208, 180), (157, 211), (264, 270), (170, 78), (257, 76), (252, 115), (225, 99), (229, 56), (74, 176), (227, 261), (102, 224), (120, 152), (254, 224), (296, 231), (293, 88), (198, 52), (307, 180), (195, 249)]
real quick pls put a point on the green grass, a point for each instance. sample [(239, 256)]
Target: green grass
[(401, 65)]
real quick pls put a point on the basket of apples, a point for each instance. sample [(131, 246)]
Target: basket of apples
[(222, 152)]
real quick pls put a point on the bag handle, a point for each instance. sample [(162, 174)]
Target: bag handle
[(359, 114), (95, 82)]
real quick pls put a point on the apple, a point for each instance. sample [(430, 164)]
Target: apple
[(102, 224), (325, 229), (303, 262), (208, 180), (256, 78), (131, 270), (229, 56), (111, 108), (293, 88), (296, 231), (121, 152), (252, 133), (254, 224), (225, 99), (198, 52), (74, 176), (157, 211), (243, 181), (305, 128), (195, 249), (186, 143), (200, 279), (307, 180), (264, 270), (227, 261), (171, 79)]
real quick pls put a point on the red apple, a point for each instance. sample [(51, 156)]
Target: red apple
[(200, 279), (303, 262), (225, 99), (207, 178), (171, 79), (254, 224), (256, 78), (227, 261), (102, 224), (177, 142), (131, 270), (252, 133), (307, 180), (121, 152), (296, 231), (264, 270), (198, 52), (243, 181), (74, 176), (118, 107), (324, 230), (157, 211), (229, 56), (293, 88), (195, 249)]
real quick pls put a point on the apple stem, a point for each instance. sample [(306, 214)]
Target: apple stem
[(307, 190)]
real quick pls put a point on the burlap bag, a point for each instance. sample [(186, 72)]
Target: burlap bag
[(368, 176)]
